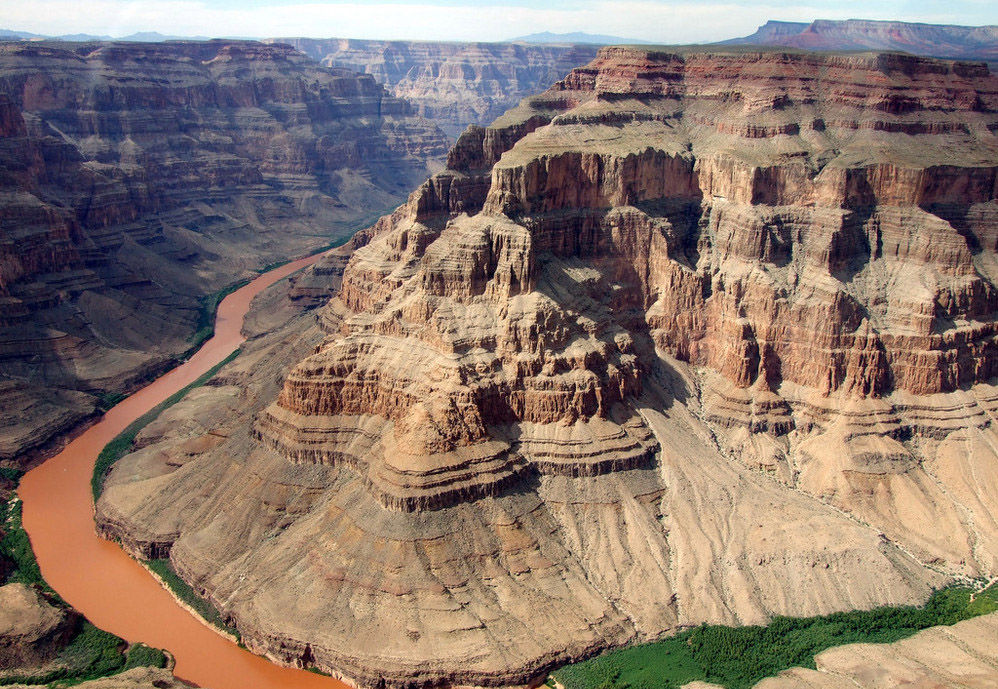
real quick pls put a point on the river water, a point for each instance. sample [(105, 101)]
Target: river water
[(96, 576)]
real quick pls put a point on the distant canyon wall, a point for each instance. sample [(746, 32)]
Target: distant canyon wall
[(453, 84), (135, 178)]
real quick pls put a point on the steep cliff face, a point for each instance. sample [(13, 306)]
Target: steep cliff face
[(135, 178), (701, 336), (453, 84), (937, 40)]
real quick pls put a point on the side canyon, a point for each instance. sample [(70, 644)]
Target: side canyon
[(692, 336)]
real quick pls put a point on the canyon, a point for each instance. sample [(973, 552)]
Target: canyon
[(693, 336), (137, 178), (453, 84)]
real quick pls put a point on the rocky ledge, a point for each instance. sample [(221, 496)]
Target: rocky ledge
[(690, 337)]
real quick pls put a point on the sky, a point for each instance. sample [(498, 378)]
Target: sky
[(680, 21)]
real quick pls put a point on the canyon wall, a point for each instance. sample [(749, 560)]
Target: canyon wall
[(136, 178), (453, 84), (934, 40), (700, 336)]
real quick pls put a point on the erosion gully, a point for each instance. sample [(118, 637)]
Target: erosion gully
[(96, 576)]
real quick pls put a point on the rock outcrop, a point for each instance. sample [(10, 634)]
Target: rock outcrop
[(136, 178), (453, 84), (32, 631), (136, 678), (933, 40), (690, 337)]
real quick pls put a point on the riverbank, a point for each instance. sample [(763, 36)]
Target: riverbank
[(739, 657), (98, 578), (80, 651)]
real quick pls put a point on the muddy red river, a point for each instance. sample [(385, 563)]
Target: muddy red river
[(97, 577)]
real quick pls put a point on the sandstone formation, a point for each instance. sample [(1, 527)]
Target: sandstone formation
[(453, 84), (135, 178), (700, 336)]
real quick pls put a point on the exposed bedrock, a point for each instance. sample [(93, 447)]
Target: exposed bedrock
[(690, 337), (454, 84), (136, 178)]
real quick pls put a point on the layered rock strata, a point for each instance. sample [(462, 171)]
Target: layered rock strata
[(453, 84), (136, 178), (690, 337), (934, 40)]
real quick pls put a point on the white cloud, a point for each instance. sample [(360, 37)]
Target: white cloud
[(662, 22)]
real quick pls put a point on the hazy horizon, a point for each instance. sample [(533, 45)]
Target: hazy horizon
[(463, 20)]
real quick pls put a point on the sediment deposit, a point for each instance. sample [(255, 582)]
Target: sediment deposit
[(700, 336), (136, 178)]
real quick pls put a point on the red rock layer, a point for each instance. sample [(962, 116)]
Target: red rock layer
[(688, 201)]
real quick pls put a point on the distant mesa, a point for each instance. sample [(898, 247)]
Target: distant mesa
[(576, 37), (934, 40)]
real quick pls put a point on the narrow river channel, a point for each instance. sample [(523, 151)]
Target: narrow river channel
[(97, 577)]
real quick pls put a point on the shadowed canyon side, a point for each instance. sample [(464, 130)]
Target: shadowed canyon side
[(454, 84), (698, 336), (137, 178)]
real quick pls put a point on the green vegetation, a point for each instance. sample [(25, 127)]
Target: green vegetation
[(10, 474), (122, 443), (182, 590), (106, 400), (16, 548), (205, 327), (140, 655), (92, 652), (738, 657)]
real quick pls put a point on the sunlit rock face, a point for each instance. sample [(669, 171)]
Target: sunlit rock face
[(701, 336), (454, 84), (137, 177)]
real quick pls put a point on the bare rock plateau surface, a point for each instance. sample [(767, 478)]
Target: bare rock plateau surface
[(690, 337), (136, 178)]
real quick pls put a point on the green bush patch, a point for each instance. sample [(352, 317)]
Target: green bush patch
[(182, 590), (122, 443), (738, 657), (92, 653), (205, 327), (16, 547), (140, 655)]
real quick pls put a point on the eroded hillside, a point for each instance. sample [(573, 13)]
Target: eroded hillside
[(701, 336), (136, 178)]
